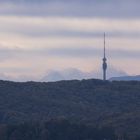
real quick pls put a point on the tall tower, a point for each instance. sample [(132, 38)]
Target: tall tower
[(104, 61)]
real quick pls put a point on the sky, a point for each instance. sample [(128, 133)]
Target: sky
[(38, 37)]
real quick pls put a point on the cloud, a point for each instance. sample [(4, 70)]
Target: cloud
[(124, 54), (83, 8), (93, 52), (36, 35), (63, 26), (66, 52), (52, 32)]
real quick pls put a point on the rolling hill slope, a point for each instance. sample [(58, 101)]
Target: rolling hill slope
[(94, 102)]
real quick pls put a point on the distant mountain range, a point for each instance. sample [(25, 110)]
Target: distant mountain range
[(126, 78), (67, 74)]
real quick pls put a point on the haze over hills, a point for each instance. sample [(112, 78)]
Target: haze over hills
[(73, 73), (65, 74), (94, 102)]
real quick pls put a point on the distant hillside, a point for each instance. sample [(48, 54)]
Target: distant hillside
[(94, 102), (126, 78)]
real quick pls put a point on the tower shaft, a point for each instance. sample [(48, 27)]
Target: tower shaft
[(104, 61)]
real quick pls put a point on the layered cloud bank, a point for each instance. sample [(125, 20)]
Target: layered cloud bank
[(96, 8), (36, 36)]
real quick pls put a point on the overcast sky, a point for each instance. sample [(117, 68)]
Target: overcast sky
[(37, 36)]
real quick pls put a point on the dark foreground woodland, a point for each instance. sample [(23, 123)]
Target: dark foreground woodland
[(70, 110)]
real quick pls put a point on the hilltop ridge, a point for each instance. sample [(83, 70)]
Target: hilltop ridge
[(126, 78)]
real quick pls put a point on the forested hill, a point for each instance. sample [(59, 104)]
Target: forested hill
[(93, 102)]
